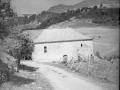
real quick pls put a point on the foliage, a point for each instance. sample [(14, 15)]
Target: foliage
[(16, 20), (5, 13), (103, 16), (5, 9), (45, 15), (7, 66), (4, 72), (21, 20), (109, 58), (16, 45), (99, 15), (98, 55), (56, 18), (26, 19)]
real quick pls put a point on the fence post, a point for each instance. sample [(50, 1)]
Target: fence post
[(72, 63), (80, 61), (89, 63), (78, 65), (59, 60), (109, 67)]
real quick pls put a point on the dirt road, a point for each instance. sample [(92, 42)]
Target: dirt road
[(63, 80)]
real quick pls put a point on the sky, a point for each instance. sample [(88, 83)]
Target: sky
[(37, 6)]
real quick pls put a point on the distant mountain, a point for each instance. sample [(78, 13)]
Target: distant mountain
[(86, 3), (60, 8)]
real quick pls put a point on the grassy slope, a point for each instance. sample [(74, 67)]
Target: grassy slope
[(108, 43)]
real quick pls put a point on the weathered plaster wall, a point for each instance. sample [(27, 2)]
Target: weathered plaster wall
[(55, 51)]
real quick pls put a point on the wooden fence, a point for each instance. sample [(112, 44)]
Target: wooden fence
[(96, 67)]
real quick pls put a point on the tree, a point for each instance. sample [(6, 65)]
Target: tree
[(101, 6), (5, 13), (18, 45), (6, 61), (15, 42), (78, 11), (5, 9), (32, 18), (95, 8)]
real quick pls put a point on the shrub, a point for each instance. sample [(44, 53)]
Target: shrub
[(98, 55), (18, 45), (7, 66), (112, 57), (4, 72)]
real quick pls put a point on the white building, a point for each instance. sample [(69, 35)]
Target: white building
[(53, 44)]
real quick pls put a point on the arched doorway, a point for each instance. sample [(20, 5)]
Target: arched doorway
[(65, 58)]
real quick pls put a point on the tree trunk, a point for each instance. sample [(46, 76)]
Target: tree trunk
[(18, 64)]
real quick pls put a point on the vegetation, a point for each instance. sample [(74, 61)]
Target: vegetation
[(14, 21), (45, 16), (98, 55), (15, 44), (107, 16), (57, 18), (108, 58), (101, 15), (4, 72), (98, 15), (18, 45)]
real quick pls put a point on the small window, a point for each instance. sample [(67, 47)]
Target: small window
[(45, 49), (81, 45)]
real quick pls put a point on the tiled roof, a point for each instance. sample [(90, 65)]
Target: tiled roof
[(33, 33), (51, 35)]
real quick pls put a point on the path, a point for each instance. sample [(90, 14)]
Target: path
[(63, 80)]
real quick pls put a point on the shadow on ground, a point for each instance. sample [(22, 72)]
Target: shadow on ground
[(22, 78), (17, 80), (28, 68)]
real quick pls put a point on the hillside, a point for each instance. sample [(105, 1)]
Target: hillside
[(60, 8), (87, 3), (96, 23), (45, 15), (102, 16), (106, 39)]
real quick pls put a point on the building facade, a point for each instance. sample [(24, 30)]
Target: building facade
[(53, 44)]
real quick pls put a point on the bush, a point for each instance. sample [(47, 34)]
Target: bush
[(15, 44), (98, 55), (109, 58), (18, 45), (4, 72), (7, 66), (108, 16)]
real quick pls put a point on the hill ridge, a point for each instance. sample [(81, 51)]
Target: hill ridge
[(86, 3)]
